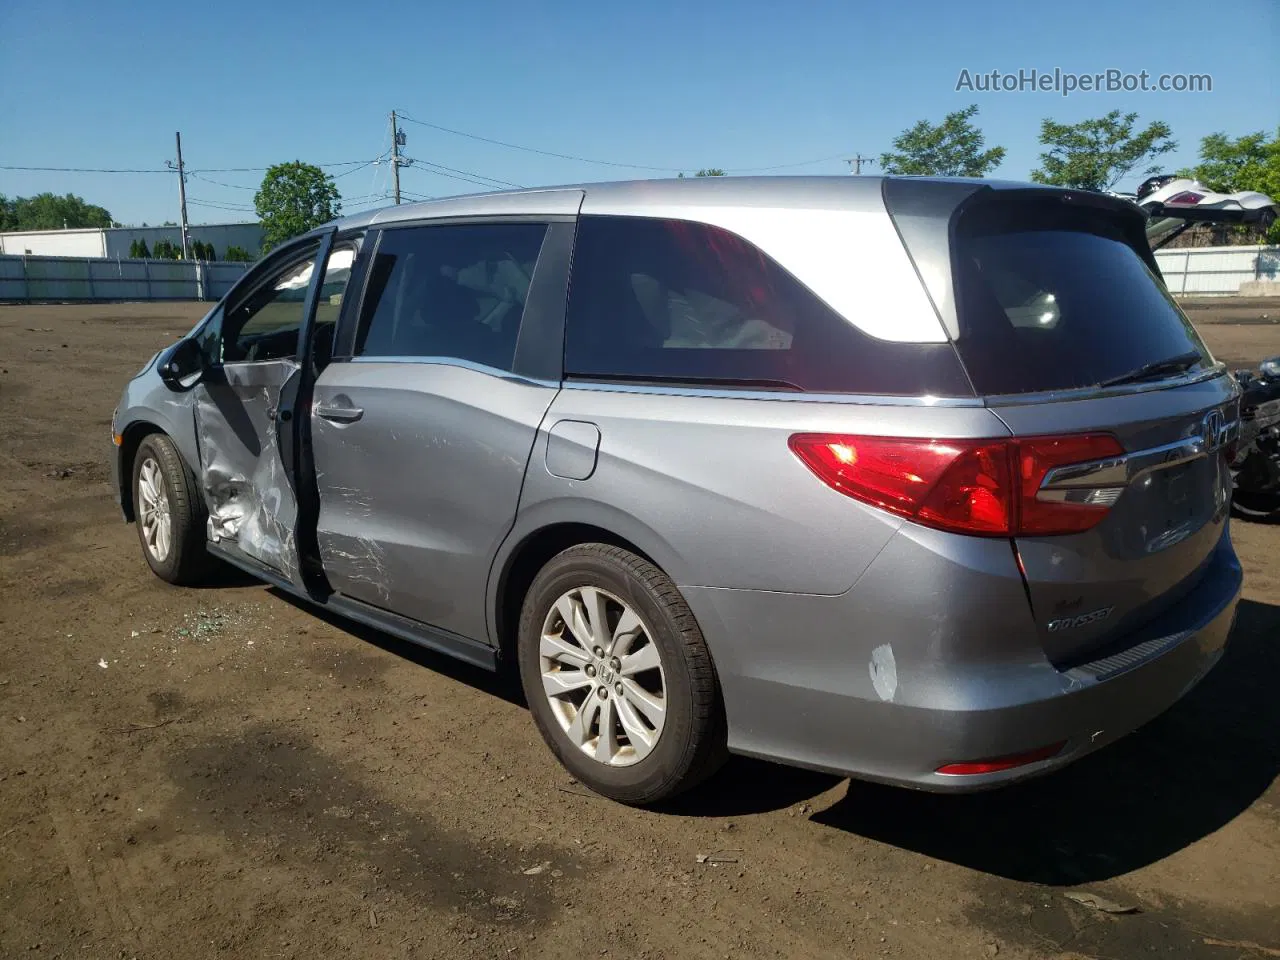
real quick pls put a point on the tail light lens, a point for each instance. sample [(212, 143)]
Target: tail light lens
[(979, 487), (1186, 198)]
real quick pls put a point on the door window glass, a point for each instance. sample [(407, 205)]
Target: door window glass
[(265, 325), (332, 289), (450, 291)]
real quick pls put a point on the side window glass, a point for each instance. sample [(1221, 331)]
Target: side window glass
[(265, 326), (333, 288), (449, 291)]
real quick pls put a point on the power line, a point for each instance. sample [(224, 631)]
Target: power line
[(443, 171), (81, 169), (545, 153), (237, 208), (340, 163), (609, 163), (469, 173), (219, 183)]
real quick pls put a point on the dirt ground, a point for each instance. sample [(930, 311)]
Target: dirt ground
[(221, 772)]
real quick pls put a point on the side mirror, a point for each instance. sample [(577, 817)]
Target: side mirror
[(182, 368)]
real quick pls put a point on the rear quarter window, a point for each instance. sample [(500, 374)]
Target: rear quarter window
[(1055, 300), (681, 302)]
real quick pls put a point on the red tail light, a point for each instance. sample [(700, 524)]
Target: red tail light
[(1187, 198), (979, 487)]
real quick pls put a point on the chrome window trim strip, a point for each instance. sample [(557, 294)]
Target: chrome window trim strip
[(458, 362), (741, 393)]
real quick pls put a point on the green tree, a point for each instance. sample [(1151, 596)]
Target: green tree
[(236, 254), (166, 249), (46, 211), (294, 198), (1097, 154), (143, 252), (1250, 162), (952, 148), (710, 172)]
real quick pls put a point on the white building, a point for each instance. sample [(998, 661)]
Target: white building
[(114, 242)]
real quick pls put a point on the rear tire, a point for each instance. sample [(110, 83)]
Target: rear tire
[(646, 674), (170, 513)]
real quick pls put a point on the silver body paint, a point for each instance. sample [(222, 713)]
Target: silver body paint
[(845, 638)]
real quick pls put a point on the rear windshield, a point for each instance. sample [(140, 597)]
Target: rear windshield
[(1052, 300), (677, 302)]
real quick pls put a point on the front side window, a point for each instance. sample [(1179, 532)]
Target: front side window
[(265, 325), (455, 291), (675, 301)]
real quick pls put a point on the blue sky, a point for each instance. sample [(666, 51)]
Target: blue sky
[(675, 85)]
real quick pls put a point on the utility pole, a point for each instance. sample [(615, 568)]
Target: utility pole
[(855, 165), (395, 156), (182, 197)]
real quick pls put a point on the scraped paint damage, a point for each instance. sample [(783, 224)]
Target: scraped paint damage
[(884, 673), (364, 563)]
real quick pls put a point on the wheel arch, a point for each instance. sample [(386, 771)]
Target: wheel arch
[(130, 440), (528, 548)]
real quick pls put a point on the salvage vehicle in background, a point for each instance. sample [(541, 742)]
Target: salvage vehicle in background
[(1255, 468), (919, 481), (1173, 204)]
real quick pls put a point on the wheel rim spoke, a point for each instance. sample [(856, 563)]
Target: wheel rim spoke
[(575, 618), (580, 729), (595, 698), (646, 658), (607, 741), (641, 737), (562, 651), (559, 682), (651, 707), (593, 601), (629, 628)]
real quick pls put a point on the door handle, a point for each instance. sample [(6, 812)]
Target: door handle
[(339, 414)]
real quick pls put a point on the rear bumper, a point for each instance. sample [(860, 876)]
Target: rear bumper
[(915, 695)]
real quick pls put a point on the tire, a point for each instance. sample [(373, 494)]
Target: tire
[(655, 761), (1257, 507), (174, 545)]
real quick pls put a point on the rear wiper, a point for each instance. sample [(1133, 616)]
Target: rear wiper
[(1179, 364)]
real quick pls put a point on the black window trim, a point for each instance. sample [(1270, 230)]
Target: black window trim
[(539, 354)]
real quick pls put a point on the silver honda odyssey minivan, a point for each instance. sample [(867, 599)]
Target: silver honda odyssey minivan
[(921, 481)]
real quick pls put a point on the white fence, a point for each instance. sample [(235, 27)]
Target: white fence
[(1207, 271), (63, 279)]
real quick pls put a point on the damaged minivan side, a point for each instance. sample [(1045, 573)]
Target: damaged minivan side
[(919, 481)]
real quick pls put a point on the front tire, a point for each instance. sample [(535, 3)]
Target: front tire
[(1258, 507), (618, 676), (169, 513)]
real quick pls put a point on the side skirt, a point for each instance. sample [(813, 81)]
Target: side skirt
[(424, 635)]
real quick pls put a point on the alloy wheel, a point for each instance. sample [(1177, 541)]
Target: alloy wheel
[(602, 675)]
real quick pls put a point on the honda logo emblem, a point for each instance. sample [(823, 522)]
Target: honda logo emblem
[(1213, 430)]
